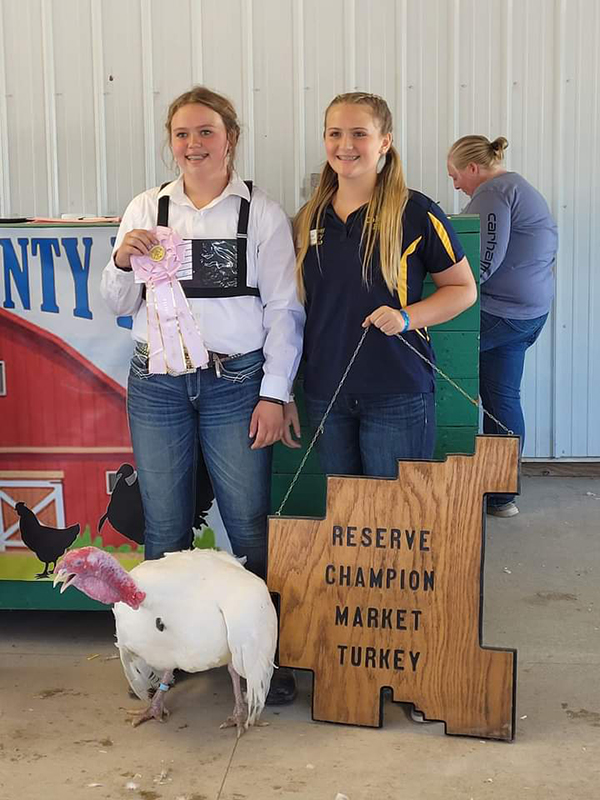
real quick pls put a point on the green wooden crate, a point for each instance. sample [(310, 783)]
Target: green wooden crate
[(452, 409), (456, 352), (455, 440)]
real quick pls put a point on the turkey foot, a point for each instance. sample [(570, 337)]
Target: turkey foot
[(152, 712), (156, 709)]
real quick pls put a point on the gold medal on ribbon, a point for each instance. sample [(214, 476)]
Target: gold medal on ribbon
[(157, 253)]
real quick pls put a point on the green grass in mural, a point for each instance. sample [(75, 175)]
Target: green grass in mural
[(207, 540), (85, 540), (23, 565)]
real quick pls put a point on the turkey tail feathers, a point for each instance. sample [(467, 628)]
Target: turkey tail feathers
[(258, 672), (141, 676)]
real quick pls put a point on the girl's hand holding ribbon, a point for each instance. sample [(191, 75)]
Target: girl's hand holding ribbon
[(137, 242)]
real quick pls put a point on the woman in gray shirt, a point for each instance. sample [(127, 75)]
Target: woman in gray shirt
[(519, 241)]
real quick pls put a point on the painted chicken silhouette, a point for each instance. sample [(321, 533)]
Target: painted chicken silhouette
[(125, 511), (49, 544)]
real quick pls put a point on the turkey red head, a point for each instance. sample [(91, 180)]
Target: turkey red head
[(99, 575)]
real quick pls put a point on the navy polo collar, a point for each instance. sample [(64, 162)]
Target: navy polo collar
[(350, 225)]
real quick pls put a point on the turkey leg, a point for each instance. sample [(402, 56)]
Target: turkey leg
[(240, 710), (156, 709)]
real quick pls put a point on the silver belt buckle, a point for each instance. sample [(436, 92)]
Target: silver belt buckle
[(215, 360)]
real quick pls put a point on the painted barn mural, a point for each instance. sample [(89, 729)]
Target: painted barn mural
[(67, 474)]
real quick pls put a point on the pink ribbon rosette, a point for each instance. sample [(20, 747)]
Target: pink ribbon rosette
[(172, 330)]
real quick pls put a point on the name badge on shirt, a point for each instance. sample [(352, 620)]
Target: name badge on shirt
[(316, 236)]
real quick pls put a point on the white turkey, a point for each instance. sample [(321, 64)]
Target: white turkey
[(193, 611)]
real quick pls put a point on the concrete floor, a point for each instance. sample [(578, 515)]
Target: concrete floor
[(62, 698)]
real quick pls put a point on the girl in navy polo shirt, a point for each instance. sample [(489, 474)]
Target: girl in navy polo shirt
[(366, 243)]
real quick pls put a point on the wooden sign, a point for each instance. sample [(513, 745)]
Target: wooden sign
[(386, 591)]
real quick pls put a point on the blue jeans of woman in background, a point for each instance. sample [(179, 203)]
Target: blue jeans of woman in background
[(366, 434), (502, 347), (170, 417)]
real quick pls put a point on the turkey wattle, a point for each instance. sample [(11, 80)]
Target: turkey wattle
[(192, 610)]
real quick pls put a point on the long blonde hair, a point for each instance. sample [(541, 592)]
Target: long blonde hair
[(383, 221), (477, 150)]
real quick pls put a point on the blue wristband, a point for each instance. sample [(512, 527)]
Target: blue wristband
[(164, 687), (406, 319)]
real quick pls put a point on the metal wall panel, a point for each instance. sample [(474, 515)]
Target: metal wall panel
[(170, 70), (325, 74), (227, 52), (85, 86), (577, 281), (529, 110), (122, 88), (26, 120), (273, 96), (428, 98), (76, 189)]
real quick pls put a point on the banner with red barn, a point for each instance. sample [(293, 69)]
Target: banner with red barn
[(64, 360)]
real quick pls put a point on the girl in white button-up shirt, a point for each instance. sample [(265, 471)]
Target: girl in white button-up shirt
[(232, 411)]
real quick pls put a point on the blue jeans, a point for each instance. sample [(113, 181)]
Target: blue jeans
[(502, 347), (366, 434), (170, 417)]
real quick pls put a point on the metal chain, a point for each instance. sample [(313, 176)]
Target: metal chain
[(475, 402), (319, 430)]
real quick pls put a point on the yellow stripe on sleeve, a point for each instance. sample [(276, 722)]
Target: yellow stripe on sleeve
[(403, 277), (443, 234)]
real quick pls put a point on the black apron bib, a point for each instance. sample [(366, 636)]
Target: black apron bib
[(219, 266)]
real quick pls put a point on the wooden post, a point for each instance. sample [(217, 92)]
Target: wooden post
[(386, 591)]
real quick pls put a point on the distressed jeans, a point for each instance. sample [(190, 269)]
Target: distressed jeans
[(502, 347), (170, 417), (366, 434)]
